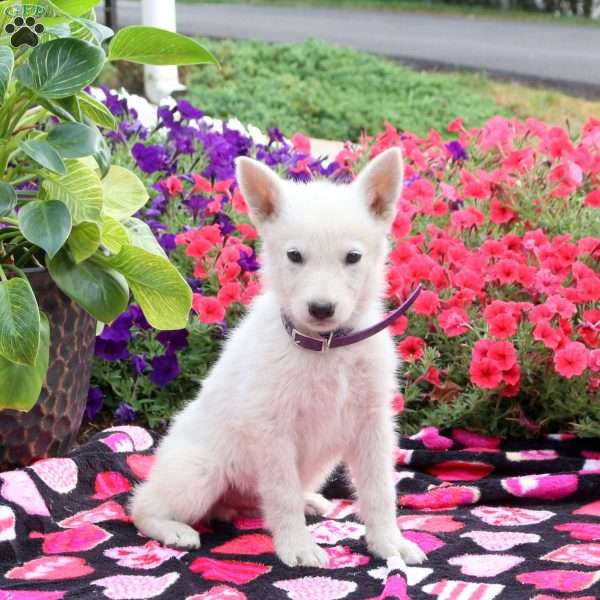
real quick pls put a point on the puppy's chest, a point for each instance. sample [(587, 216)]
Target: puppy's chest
[(323, 398)]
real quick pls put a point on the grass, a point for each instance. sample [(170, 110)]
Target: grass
[(336, 93), (424, 6)]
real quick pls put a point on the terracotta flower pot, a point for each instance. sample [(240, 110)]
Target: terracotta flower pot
[(51, 427)]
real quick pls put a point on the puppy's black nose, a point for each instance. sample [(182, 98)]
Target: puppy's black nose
[(321, 310)]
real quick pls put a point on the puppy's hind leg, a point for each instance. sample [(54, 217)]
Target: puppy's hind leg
[(181, 490)]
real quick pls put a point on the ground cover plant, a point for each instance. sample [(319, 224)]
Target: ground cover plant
[(499, 223), (337, 93)]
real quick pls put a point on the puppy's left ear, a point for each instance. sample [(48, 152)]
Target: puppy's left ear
[(380, 183)]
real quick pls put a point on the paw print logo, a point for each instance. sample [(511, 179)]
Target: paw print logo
[(24, 31)]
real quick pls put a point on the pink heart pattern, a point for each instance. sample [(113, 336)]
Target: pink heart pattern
[(499, 541), (485, 565), (135, 587), (59, 474), (493, 526)]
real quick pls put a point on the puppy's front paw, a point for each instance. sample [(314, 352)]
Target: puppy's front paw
[(180, 535), (393, 543), (304, 553)]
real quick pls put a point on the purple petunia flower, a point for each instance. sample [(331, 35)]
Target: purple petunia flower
[(167, 242), (195, 285), (139, 320), (125, 413), (151, 159), (119, 330), (187, 111), (164, 370), (138, 365), (173, 341), (248, 262), (225, 224), (457, 151), (110, 350), (95, 402)]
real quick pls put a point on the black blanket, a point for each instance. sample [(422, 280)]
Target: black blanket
[(498, 519)]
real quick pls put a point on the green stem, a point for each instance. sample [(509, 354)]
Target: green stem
[(8, 221), (16, 270), (22, 262), (3, 277)]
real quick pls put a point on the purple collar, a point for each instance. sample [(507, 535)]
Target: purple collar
[(339, 338)]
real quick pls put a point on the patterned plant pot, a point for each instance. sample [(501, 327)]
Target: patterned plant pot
[(51, 427)]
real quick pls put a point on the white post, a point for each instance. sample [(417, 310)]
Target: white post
[(160, 81)]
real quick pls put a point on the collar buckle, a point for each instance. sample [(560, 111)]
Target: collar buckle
[(325, 342)]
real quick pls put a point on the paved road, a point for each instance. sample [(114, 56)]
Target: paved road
[(564, 55)]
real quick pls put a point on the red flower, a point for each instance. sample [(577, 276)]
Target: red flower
[(432, 376), (454, 321), (301, 143), (572, 360), (230, 293), (209, 310), (512, 376), (399, 326), (427, 303), (485, 373), (398, 403), (545, 333), (593, 199), (501, 214), (503, 326), (201, 185), (173, 185), (503, 354), (412, 348)]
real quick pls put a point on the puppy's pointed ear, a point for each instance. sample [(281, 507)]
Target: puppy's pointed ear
[(261, 188), (380, 183)]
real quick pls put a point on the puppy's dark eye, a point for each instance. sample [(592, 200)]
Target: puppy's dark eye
[(295, 256), (353, 257)]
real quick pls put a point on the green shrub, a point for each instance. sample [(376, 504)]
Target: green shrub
[(330, 92)]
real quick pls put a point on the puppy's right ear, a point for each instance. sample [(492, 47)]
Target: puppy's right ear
[(261, 188)]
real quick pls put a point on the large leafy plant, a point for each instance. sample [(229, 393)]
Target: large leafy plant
[(63, 206)]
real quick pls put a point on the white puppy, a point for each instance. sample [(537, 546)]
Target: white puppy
[(273, 419)]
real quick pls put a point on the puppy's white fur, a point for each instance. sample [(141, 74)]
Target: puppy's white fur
[(272, 419)]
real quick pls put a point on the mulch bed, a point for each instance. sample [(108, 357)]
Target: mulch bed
[(498, 519)]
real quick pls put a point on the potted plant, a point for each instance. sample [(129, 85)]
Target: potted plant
[(71, 251)]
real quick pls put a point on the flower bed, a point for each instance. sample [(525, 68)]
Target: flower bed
[(500, 224)]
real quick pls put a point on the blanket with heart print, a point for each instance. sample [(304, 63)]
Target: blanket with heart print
[(498, 520)]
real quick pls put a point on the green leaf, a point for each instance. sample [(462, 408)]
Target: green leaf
[(57, 109), (84, 241), (153, 46), (90, 31), (96, 111), (61, 67), (100, 291), (74, 140), (70, 105), (46, 224), (22, 384), (157, 286), (8, 199), (141, 236), (19, 322), (75, 8), (80, 189), (7, 62), (114, 235), (103, 157), (43, 154), (124, 193)]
